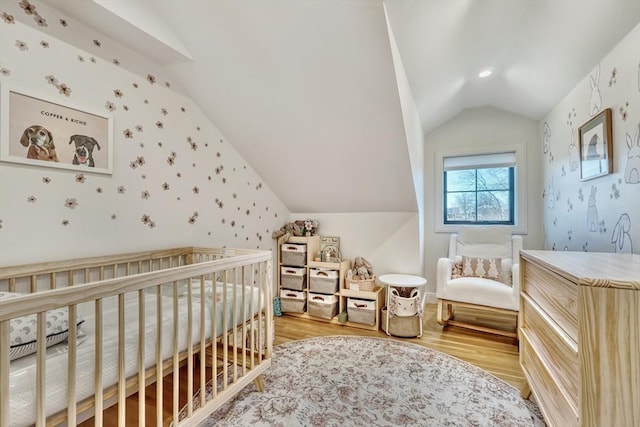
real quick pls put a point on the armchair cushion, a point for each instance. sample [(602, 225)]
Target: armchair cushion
[(476, 290), (484, 241)]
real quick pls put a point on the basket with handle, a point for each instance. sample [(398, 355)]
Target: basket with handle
[(292, 301), (361, 311), (357, 284), (324, 306)]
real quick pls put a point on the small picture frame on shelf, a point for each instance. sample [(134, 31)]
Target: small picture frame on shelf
[(330, 249)]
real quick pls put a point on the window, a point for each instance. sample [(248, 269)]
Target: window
[(479, 189)]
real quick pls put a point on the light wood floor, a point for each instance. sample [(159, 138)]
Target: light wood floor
[(495, 354)]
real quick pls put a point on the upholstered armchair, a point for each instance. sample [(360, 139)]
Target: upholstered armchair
[(481, 272)]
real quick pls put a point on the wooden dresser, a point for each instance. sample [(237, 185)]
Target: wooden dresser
[(580, 336)]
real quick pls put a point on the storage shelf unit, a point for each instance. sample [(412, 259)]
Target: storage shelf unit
[(313, 246)]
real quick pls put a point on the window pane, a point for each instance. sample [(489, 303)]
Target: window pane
[(461, 207), (479, 195), (462, 180), (493, 206), (493, 179)]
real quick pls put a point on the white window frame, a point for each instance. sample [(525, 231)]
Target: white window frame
[(520, 184)]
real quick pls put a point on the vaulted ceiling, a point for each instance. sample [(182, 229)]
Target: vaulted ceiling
[(307, 92)]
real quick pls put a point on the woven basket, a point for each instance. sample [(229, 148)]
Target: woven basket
[(292, 305), (365, 285), (361, 315), (290, 281), (406, 327), (325, 311), (323, 282), (324, 306)]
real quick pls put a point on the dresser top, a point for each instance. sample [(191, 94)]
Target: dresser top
[(597, 269)]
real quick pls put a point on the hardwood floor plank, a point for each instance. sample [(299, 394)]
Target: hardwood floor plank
[(495, 354)]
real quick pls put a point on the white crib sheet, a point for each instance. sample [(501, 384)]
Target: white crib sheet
[(23, 371)]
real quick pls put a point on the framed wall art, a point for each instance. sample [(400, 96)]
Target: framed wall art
[(41, 132), (596, 146)]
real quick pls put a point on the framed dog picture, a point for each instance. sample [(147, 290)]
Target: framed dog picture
[(596, 146), (41, 132)]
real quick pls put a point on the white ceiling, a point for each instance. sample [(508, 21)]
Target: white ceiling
[(306, 89)]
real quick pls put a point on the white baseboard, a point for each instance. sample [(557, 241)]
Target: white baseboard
[(431, 298)]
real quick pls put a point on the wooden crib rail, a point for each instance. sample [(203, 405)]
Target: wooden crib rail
[(54, 274), (62, 297), (51, 275), (90, 262), (239, 363)]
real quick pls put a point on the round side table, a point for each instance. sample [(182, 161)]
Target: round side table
[(403, 281)]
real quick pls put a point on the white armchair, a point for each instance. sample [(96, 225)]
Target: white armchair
[(481, 272)]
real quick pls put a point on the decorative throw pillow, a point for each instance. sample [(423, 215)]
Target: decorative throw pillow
[(23, 330), (488, 268), (456, 269)]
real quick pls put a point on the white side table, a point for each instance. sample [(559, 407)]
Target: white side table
[(403, 281)]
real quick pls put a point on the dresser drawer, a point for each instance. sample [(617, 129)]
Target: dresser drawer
[(555, 405), (556, 295), (553, 346)]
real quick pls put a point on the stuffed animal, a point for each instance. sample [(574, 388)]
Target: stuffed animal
[(291, 227), (361, 269)]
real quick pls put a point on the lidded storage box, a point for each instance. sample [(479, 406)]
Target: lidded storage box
[(293, 278), (292, 301), (294, 254), (361, 311), (323, 281), (321, 305)]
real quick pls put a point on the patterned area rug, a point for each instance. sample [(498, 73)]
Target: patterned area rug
[(361, 381)]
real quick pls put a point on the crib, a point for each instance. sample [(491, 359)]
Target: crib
[(183, 328)]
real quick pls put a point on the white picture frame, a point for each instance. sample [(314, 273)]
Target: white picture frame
[(39, 131)]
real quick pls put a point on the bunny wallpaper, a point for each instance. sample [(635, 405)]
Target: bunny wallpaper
[(176, 180), (600, 214)]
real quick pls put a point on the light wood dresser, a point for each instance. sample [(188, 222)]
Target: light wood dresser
[(580, 336)]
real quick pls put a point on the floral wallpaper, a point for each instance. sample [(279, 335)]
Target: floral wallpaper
[(176, 180), (600, 214)]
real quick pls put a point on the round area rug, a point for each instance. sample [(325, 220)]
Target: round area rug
[(358, 381)]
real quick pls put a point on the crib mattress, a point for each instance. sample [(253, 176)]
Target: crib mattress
[(23, 371)]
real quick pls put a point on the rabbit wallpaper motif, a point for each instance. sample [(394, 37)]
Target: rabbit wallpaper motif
[(595, 102), (621, 238), (550, 194), (593, 206), (592, 211), (574, 156), (176, 180), (632, 168), (546, 141)]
